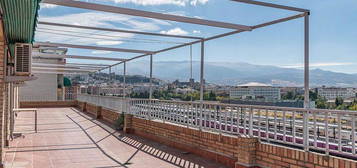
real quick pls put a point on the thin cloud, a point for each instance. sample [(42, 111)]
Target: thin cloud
[(196, 2), (198, 17), (153, 2), (163, 2), (47, 6), (317, 65), (109, 42), (175, 31), (100, 52), (196, 31), (107, 20), (94, 19)]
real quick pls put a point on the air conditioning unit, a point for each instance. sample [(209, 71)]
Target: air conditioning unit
[(23, 59)]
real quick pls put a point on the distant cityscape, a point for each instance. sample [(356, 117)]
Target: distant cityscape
[(253, 93)]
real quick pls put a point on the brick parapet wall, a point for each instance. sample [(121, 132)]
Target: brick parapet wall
[(99, 112), (269, 155), (109, 115), (128, 123), (3, 97), (223, 149), (92, 109), (81, 106)]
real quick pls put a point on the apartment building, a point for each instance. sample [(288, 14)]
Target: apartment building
[(255, 91), (334, 92)]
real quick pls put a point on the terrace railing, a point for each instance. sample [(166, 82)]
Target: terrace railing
[(329, 131), (110, 102)]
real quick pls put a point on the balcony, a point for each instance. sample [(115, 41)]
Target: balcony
[(155, 133), (302, 128), (179, 134), (67, 137)]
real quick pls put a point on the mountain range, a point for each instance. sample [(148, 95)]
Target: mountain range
[(234, 73)]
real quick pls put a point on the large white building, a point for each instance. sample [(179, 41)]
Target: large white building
[(255, 91), (334, 92)]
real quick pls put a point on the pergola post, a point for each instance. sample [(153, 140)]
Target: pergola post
[(191, 74), (306, 83), (201, 83), (150, 89), (110, 74), (202, 70), (306, 63), (124, 80)]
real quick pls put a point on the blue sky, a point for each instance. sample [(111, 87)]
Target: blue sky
[(333, 32)]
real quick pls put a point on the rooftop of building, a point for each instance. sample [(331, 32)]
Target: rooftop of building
[(68, 138), (254, 84)]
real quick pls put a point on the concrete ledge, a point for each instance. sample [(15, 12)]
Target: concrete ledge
[(44, 104)]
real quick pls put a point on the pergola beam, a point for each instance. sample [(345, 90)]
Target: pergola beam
[(280, 20), (103, 65), (253, 2), (72, 64), (65, 66), (118, 30), (68, 64), (238, 29), (58, 72), (44, 55), (91, 47), (63, 69), (217, 36), (147, 14)]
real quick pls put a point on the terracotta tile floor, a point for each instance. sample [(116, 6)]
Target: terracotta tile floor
[(67, 138)]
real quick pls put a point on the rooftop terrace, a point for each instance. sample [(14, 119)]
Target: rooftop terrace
[(68, 138), (155, 133)]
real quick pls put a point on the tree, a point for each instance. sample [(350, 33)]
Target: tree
[(313, 95), (338, 101), (212, 96), (289, 96), (342, 107), (353, 107), (321, 103)]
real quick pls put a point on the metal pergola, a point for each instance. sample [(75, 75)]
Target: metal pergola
[(236, 28)]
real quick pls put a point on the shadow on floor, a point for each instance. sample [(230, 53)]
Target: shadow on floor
[(159, 151)]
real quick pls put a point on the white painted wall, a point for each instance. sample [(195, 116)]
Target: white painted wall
[(42, 89)]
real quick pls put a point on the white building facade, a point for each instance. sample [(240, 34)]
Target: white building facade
[(333, 92), (255, 91)]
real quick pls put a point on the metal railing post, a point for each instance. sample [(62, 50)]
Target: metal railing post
[(353, 138), (11, 104), (251, 122), (306, 129), (150, 109), (36, 121), (327, 135)]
